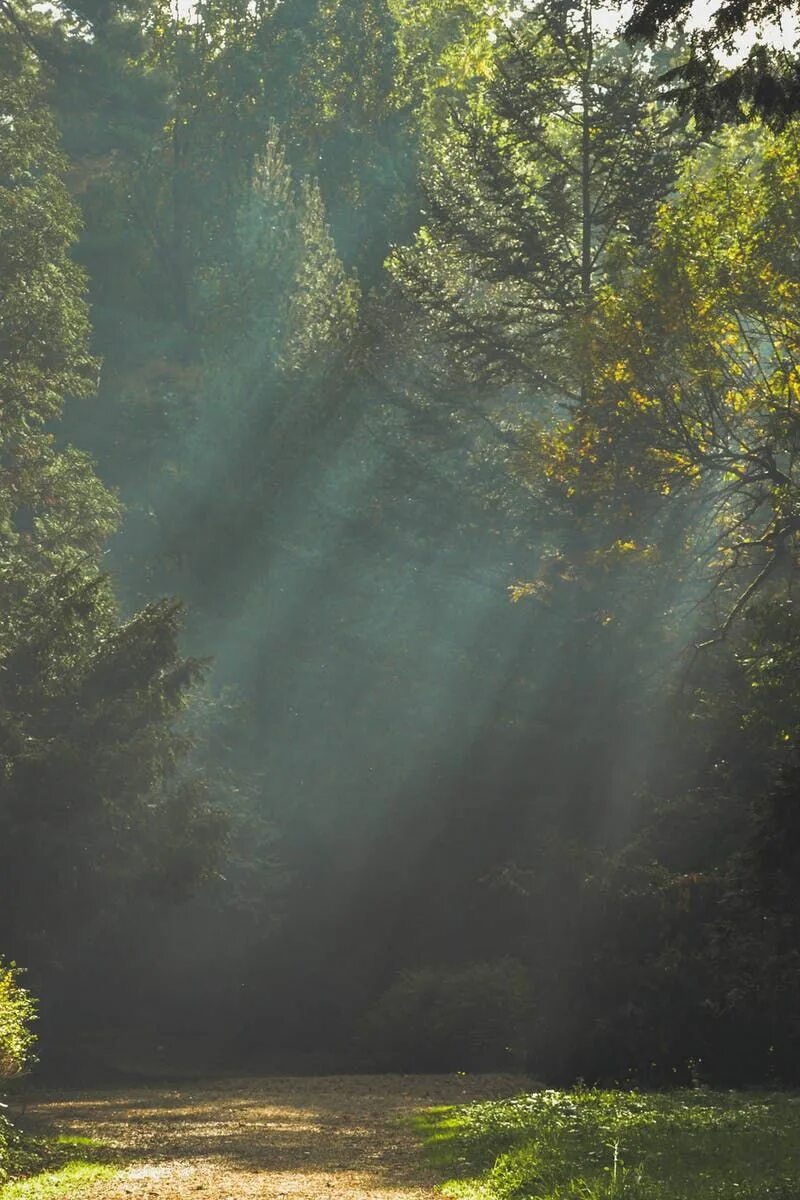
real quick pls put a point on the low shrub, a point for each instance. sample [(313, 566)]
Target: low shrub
[(468, 1018), (19, 1154), (17, 1014)]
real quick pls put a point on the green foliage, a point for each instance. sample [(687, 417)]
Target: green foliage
[(94, 802), (43, 315), (691, 424), (95, 797), (18, 1155), (556, 153), (37, 1169), (577, 385), (57, 1181), (464, 1018), (17, 1013), (601, 1145)]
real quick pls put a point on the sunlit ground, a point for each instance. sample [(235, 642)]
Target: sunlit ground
[(593, 1145), (346, 1136)]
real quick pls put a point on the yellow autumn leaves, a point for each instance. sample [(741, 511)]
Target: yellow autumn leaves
[(695, 352)]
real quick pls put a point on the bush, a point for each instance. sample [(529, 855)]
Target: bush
[(19, 1153), (17, 1013), (467, 1018)]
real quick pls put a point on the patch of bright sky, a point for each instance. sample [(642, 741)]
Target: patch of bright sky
[(782, 34)]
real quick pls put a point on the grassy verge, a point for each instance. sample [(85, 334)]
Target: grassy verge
[(613, 1145), (37, 1169)]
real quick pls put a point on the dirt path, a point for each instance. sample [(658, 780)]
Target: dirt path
[(324, 1138)]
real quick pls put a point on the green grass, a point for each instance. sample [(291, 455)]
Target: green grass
[(42, 1169), (614, 1145), (57, 1182)]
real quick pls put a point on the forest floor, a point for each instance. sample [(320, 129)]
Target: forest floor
[(314, 1138)]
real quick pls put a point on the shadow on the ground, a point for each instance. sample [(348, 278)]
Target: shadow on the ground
[(306, 1126)]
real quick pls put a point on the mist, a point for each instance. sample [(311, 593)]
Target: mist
[(400, 506)]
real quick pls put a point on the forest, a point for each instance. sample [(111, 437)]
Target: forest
[(399, 541)]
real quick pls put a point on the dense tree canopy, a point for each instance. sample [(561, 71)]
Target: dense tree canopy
[(94, 805), (424, 379), (560, 153)]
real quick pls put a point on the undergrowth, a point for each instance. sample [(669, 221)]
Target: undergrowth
[(613, 1145), (38, 1168)]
